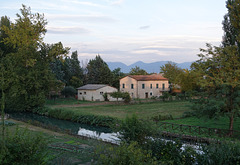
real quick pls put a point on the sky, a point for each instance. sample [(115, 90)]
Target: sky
[(129, 30)]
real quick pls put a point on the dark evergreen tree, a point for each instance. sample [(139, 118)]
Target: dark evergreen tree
[(98, 72)]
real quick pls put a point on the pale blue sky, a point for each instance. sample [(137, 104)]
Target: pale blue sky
[(129, 30)]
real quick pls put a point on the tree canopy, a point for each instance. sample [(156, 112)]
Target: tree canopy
[(25, 60), (138, 71), (218, 70), (98, 72)]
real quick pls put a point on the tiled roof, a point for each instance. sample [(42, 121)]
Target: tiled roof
[(91, 87), (153, 77)]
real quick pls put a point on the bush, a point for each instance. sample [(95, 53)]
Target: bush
[(225, 153), (24, 147), (124, 154), (63, 114), (170, 152), (133, 129), (124, 95), (69, 91)]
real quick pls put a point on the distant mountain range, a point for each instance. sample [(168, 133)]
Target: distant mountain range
[(149, 67)]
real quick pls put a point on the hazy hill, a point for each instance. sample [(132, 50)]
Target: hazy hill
[(149, 67)]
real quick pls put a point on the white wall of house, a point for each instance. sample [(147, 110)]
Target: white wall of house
[(136, 90), (96, 95)]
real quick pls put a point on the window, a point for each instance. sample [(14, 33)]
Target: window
[(143, 86), (157, 86), (151, 86), (101, 93), (80, 93), (132, 87), (150, 93), (163, 86), (123, 85), (85, 93)]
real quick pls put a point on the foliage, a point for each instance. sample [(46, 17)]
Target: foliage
[(171, 152), (98, 72), (27, 77), (68, 70), (165, 96), (130, 154), (225, 153), (117, 75), (124, 95), (105, 96), (171, 71), (133, 129), (23, 147), (137, 71), (83, 118), (218, 69), (69, 91)]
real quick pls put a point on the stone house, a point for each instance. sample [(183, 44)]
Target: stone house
[(95, 92), (144, 86)]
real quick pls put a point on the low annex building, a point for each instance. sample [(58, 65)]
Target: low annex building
[(95, 92), (144, 86)]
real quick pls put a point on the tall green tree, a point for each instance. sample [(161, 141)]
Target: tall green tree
[(117, 75), (138, 71), (218, 70), (26, 68), (98, 72), (171, 71)]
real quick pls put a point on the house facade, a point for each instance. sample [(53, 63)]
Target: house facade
[(144, 86), (95, 92)]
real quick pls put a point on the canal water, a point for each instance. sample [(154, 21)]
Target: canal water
[(102, 133)]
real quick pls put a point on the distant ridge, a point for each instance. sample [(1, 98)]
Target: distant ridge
[(149, 67)]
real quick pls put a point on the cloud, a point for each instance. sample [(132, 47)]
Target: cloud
[(144, 27), (67, 30), (86, 18)]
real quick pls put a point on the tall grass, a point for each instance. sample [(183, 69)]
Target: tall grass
[(79, 117)]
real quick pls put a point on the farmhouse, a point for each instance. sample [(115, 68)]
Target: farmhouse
[(95, 92), (144, 86)]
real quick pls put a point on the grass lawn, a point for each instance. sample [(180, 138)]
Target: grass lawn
[(143, 110), (63, 148)]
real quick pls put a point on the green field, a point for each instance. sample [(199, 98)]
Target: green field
[(142, 110)]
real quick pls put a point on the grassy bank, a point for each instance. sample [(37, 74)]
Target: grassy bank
[(62, 148)]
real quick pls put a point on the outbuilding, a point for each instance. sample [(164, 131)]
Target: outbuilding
[(95, 92)]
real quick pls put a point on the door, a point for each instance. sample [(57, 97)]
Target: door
[(146, 95)]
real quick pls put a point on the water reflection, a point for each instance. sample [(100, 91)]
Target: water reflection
[(108, 137)]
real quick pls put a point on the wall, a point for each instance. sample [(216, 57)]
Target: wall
[(138, 92), (95, 95)]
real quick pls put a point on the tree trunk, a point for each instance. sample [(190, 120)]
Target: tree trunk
[(231, 125)]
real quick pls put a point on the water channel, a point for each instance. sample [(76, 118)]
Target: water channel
[(102, 133)]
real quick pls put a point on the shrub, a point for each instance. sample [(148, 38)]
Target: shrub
[(130, 154), (133, 129), (69, 91), (24, 147), (105, 96), (225, 153), (170, 152)]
